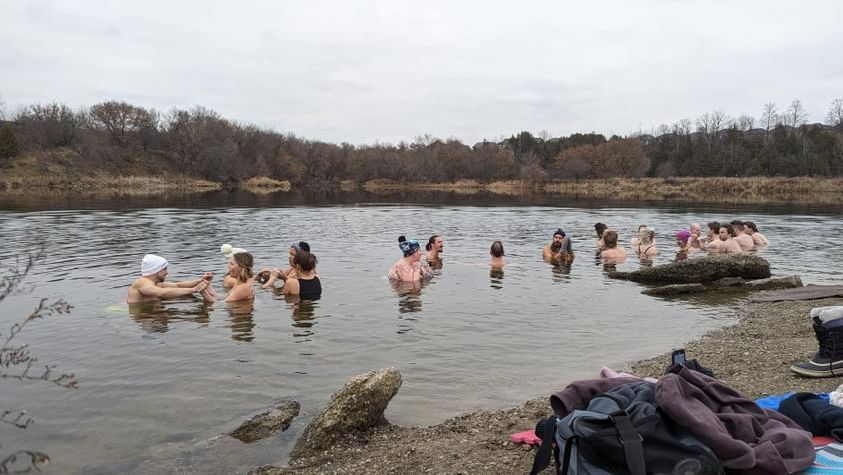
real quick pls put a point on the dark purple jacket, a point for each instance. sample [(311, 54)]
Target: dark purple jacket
[(746, 438)]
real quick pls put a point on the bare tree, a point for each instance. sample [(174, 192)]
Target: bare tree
[(122, 120), (835, 113), (745, 123), (18, 362), (769, 116), (795, 115)]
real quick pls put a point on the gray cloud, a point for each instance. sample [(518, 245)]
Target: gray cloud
[(368, 71)]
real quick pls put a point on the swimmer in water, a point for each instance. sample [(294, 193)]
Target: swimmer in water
[(240, 271), (559, 250), (151, 286), (759, 239), (434, 247), (497, 253), (409, 268), (613, 253)]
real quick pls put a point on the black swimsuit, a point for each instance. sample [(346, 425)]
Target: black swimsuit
[(310, 289)]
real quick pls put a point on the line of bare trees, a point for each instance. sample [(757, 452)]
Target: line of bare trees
[(120, 138)]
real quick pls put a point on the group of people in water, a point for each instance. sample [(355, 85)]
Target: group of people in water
[(299, 280), (734, 237)]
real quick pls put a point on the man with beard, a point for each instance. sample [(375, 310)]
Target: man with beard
[(728, 243), (559, 249), (151, 286)]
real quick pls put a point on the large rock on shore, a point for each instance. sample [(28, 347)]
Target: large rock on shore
[(359, 405), (775, 283), (702, 270), (268, 423)]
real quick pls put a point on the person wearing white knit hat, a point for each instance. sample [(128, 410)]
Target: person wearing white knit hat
[(151, 286)]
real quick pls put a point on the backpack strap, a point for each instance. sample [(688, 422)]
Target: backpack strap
[(566, 460), (633, 444), (546, 429)]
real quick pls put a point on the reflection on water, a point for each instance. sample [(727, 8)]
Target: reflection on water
[(240, 319), (409, 303), (561, 271), (156, 317), (496, 277)]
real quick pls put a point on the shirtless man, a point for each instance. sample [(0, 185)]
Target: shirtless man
[(613, 253), (559, 249), (600, 228), (150, 287), (712, 238), (728, 243), (745, 240), (409, 268), (695, 241), (434, 247), (759, 239)]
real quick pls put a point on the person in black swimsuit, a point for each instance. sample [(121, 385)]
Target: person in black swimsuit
[(306, 285)]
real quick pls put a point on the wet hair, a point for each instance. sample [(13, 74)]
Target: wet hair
[(751, 226), (600, 228), (610, 239), (714, 226), (647, 236), (300, 246), (729, 229), (245, 261), (431, 242), (305, 261), (496, 249)]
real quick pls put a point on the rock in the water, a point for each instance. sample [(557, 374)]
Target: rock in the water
[(704, 269), (774, 283), (729, 282), (675, 289), (359, 405), (268, 423)]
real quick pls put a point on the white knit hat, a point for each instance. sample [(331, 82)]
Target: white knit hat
[(152, 264), (229, 251)]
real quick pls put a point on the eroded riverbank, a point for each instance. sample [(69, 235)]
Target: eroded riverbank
[(751, 356)]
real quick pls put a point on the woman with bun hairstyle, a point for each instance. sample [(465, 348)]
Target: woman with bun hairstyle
[(240, 275)]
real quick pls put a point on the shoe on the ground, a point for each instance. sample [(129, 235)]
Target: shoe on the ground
[(828, 361)]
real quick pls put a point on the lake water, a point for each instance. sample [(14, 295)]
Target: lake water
[(157, 386)]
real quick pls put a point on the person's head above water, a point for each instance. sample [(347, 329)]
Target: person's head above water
[(683, 235), (152, 264), (610, 238), (295, 248), (408, 248), (600, 228), (305, 261), (240, 266), (497, 249), (434, 243)]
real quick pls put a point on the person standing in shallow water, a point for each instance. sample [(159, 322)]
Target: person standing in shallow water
[(560, 249), (497, 253), (434, 248), (409, 268), (151, 287)]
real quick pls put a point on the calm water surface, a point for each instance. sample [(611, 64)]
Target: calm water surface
[(158, 385)]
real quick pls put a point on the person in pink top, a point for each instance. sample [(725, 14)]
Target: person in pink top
[(728, 244), (745, 240)]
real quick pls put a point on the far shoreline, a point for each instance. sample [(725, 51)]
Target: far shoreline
[(747, 190)]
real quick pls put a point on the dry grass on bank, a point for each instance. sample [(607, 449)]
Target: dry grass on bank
[(692, 189), (119, 185), (263, 185)]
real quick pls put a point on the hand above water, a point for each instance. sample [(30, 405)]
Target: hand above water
[(208, 276)]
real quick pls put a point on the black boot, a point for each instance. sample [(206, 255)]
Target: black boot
[(829, 359)]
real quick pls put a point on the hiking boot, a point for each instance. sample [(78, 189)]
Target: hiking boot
[(829, 359)]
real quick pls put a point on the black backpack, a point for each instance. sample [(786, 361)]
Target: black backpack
[(621, 432)]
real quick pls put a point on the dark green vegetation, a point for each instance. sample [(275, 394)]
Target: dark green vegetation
[(117, 138)]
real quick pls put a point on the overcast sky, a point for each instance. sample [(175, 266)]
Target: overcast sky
[(366, 71)]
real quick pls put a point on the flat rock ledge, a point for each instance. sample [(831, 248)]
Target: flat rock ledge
[(700, 271), (268, 423), (675, 289), (359, 405)]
